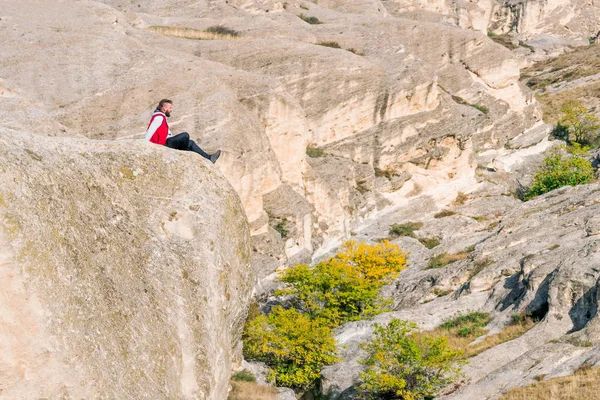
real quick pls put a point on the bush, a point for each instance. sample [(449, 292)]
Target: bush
[(561, 132), (407, 229), (582, 126), (467, 325), (295, 347), (558, 171), (314, 152), (404, 366), (345, 287)]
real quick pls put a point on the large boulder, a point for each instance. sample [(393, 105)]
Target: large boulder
[(125, 270)]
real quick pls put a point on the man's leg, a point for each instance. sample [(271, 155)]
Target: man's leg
[(179, 142), (192, 146)]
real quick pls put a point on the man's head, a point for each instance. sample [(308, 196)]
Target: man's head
[(165, 106)]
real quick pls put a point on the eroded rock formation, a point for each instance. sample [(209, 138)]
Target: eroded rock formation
[(125, 271)]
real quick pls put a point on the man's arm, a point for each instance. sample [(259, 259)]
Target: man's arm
[(153, 127)]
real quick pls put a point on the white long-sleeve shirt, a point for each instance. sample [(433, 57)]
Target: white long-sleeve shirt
[(154, 126)]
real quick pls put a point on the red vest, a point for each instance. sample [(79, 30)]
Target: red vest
[(160, 136)]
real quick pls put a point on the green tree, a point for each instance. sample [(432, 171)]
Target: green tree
[(402, 365), (583, 127), (346, 286), (560, 170), (295, 347)]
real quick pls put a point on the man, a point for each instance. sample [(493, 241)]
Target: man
[(158, 132)]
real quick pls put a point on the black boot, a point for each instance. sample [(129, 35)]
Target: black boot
[(215, 157)]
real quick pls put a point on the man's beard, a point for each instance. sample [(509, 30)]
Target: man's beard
[(168, 113)]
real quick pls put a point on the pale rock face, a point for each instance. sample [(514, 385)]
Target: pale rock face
[(117, 279), (384, 98)]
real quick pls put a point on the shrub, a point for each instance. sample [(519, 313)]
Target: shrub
[(314, 152), (467, 325), (282, 228), (295, 347), (345, 287), (310, 20), (407, 229), (334, 45), (582, 126), (560, 132), (400, 365), (558, 171)]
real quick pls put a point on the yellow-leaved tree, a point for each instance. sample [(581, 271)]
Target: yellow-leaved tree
[(296, 343)]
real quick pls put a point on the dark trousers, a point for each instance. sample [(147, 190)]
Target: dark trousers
[(183, 142)]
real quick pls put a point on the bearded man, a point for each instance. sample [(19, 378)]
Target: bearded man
[(158, 132)]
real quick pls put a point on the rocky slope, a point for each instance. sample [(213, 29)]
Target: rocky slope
[(547, 27), (382, 112), (117, 282), (390, 101), (538, 258)]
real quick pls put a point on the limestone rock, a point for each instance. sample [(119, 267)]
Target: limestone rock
[(118, 281)]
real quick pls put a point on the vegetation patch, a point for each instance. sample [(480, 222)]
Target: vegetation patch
[(479, 107), (389, 174), (334, 45), (480, 266), (243, 376), (430, 243), (552, 103), (442, 292), (362, 187), (212, 33), (559, 170), (282, 228), (407, 229), (504, 40), (315, 152), (444, 213), (579, 63), (584, 384), (251, 391), (443, 259), (402, 365), (577, 125), (460, 199), (296, 343), (464, 329)]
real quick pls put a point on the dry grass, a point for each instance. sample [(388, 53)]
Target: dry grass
[(443, 259), (583, 385), (251, 391), (444, 214), (552, 102), (462, 337), (581, 62), (460, 199), (189, 33), (508, 333)]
